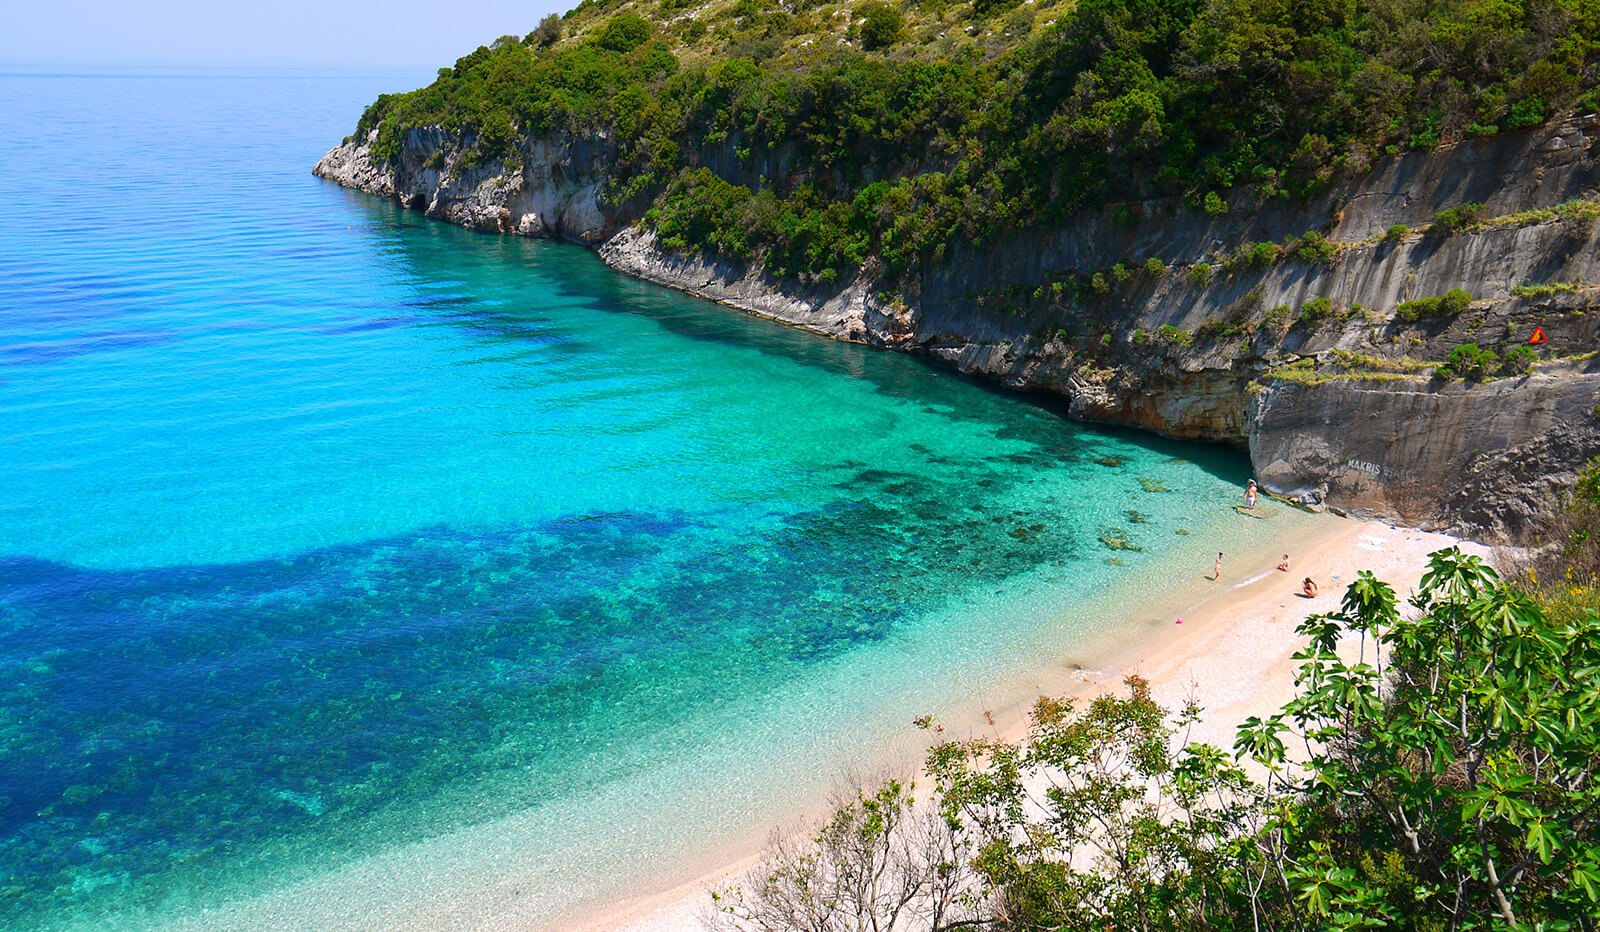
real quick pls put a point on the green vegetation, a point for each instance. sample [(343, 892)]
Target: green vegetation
[(1471, 362), (1518, 360), (1312, 247), (1395, 233), (893, 129), (1445, 780), (1565, 575), (1449, 304), (1317, 309), (1545, 290), (1177, 336), (548, 32), (1578, 216), (1475, 363), (1457, 219), (882, 26), (1346, 365), (1263, 255)]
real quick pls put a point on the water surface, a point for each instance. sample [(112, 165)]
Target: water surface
[(339, 547)]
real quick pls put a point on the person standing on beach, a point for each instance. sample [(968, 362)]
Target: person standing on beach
[(1217, 573), (1250, 494)]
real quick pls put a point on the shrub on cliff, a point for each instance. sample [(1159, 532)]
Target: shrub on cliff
[(1456, 219), (1518, 360), (1469, 361), (1312, 246), (548, 32), (1263, 255), (1315, 310), (881, 27), (1449, 304), (624, 33)]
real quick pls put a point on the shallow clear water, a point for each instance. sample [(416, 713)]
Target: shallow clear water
[(339, 547)]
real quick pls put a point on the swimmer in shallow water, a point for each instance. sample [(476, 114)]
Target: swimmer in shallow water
[(1217, 573), (1250, 494)]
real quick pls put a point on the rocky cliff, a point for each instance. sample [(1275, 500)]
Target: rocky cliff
[(1232, 326)]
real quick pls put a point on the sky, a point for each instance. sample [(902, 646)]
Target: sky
[(400, 34)]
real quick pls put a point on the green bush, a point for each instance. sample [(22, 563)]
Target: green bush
[(1469, 361), (1263, 255), (1313, 247), (1200, 274), (1316, 310), (548, 32), (1456, 219), (882, 27), (1155, 266), (1177, 336), (1545, 290), (1396, 233), (1518, 360), (985, 8), (1449, 304), (1529, 111)]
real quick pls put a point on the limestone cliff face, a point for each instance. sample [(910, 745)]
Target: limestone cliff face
[(554, 193), (1340, 406)]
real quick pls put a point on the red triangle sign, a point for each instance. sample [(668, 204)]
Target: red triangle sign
[(1538, 336)]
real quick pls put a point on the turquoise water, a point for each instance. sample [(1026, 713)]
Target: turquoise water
[(350, 560)]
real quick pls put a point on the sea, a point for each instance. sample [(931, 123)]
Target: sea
[(361, 571)]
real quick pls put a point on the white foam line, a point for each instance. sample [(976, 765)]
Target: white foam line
[(1254, 579)]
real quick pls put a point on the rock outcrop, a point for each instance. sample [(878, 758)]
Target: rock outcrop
[(1338, 403)]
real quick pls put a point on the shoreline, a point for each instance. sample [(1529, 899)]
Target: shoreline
[(1231, 654)]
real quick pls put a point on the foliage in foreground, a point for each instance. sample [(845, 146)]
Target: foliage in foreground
[(1444, 780)]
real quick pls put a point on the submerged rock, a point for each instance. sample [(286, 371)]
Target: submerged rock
[(1117, 539)]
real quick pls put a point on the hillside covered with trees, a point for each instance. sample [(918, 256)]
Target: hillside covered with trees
[(903, 127)]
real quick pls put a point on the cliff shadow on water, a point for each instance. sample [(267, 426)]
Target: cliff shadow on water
[(1315, 334)]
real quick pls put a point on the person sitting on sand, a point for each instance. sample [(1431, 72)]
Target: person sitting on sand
[(1250, 494), (1284, 563), (1309, 588)]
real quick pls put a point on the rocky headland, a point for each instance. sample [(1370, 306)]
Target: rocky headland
[(1343, 341)]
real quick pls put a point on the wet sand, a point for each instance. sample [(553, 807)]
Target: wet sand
[(1231, 653)]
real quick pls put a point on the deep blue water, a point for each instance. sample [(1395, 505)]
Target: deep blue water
[(329, 533)]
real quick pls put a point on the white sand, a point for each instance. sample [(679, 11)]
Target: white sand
[(1231, 654)]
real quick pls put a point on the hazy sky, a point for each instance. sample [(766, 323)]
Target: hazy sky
[(331, 33)]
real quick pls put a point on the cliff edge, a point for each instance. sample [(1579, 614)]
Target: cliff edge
[(1416, 344)]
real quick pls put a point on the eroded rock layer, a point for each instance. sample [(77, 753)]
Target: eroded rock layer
[(1328, 356)]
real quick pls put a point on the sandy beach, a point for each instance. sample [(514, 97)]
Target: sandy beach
[(1231, 653)]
